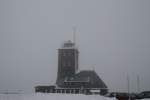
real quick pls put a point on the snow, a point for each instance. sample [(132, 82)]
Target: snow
[(48, 96)]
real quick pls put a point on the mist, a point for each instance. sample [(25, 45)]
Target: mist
[(112, 38)]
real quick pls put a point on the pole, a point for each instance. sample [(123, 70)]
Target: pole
[(74, 35), (128, 83), (138, 84), (74, 40)]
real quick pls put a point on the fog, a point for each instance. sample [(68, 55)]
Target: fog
[(111, 35)]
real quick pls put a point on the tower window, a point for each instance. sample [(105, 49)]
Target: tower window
[(69, 64), (64, 64), (64, 54), (69, 53)]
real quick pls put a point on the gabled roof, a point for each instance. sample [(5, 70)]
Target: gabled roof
[(89, 77)]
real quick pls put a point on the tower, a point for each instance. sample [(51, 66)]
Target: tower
[(67, 62), (68, 79)]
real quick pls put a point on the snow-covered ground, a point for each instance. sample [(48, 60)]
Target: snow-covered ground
[(42, 96)]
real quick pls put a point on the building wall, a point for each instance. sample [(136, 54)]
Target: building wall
[(67, 63)]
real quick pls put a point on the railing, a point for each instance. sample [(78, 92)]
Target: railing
[(73, 90)]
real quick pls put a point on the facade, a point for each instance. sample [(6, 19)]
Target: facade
[(70, 79), (67, 62)]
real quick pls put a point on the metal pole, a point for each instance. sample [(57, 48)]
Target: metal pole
[(74, 35), (138, 84), (128, 83)]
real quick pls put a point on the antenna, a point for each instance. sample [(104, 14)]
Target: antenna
[(75, 55), (74, 35), (138, 84), (128, 83)]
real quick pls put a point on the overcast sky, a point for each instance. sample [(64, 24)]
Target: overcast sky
[(113, 37)]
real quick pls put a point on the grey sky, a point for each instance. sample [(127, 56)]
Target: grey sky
[(112, 37)]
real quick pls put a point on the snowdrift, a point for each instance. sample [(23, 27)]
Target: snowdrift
[(48, 96)]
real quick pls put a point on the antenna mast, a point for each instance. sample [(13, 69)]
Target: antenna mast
[(75, 55), (138, 84), (74, 35)]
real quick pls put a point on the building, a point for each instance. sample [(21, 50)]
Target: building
[(67, 62), (70, 79)]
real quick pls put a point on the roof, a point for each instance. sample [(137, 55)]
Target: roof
[(89, 77), (68, 45)]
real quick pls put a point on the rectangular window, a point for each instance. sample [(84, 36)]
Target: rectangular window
[(69, 64)]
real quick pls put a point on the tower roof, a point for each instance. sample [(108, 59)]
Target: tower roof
[(68, 45)]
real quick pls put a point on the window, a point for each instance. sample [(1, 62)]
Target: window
[(64, 64), (69, 53), (64, 54), (69, 64)]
